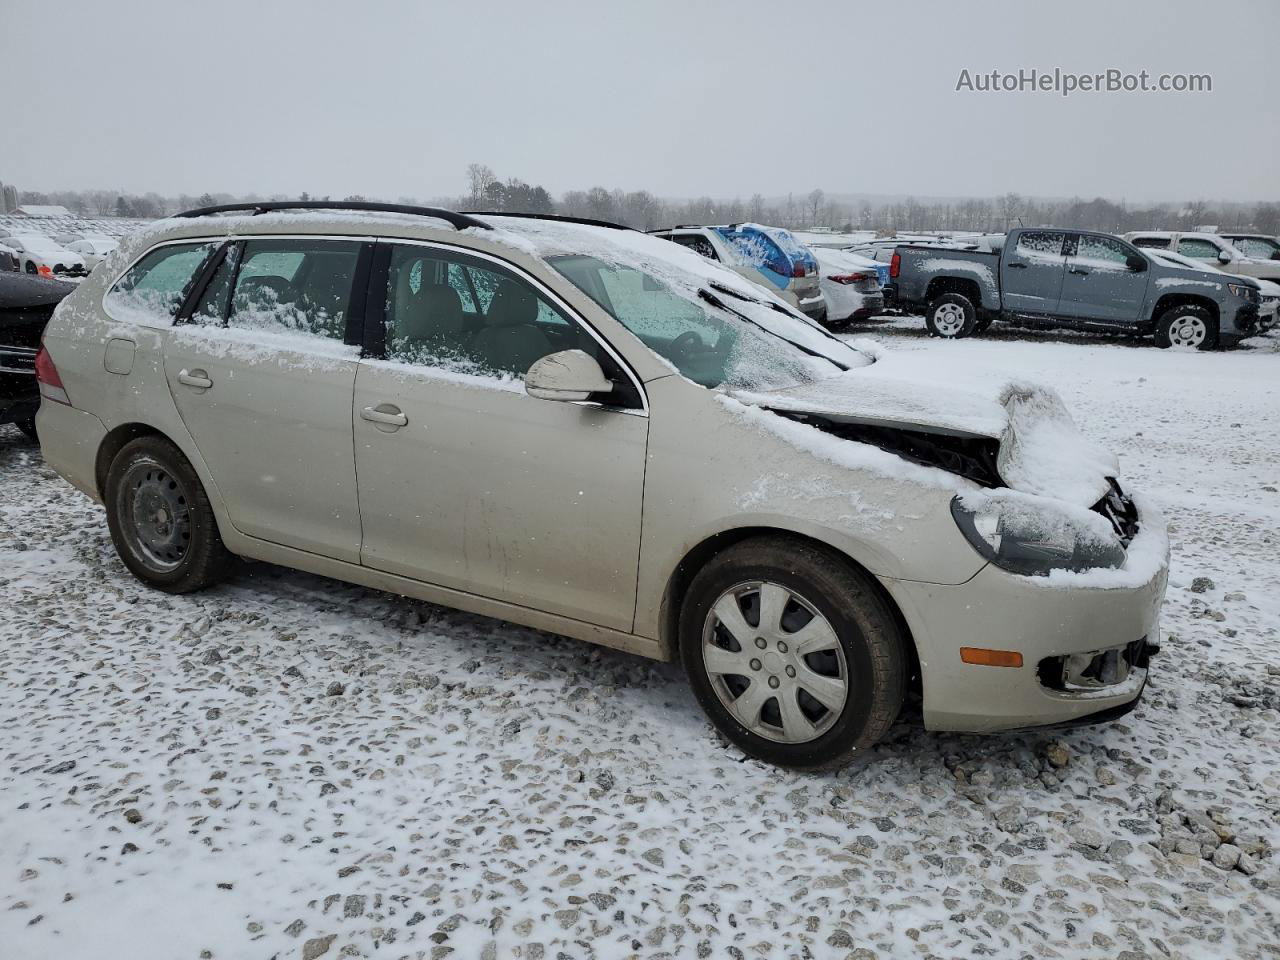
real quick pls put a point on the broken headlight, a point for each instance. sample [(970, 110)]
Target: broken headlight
[(1032, 537)]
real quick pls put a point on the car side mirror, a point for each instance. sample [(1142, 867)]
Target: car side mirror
[(1224, 257), (567, 375), (1136, 263)]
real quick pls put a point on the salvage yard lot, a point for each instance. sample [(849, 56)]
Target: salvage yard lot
[(288, 766)]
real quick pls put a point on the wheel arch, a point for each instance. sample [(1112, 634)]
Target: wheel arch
[(1170, 300), (699, 554), (962, 285), (112, 444)]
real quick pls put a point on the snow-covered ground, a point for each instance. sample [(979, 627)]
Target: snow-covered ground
[(288, 766)]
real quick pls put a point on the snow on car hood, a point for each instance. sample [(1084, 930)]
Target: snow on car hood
[(1042, 451)]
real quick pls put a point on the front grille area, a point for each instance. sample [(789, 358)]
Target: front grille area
[(1119, 509), (1096, 669)]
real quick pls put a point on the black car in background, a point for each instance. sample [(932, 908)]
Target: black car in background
[(26, 304)]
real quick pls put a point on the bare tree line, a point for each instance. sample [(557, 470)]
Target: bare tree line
[(815, 209)]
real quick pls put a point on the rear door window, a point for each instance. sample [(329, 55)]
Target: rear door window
[(1040, 244), (154, 288), (294, 287)]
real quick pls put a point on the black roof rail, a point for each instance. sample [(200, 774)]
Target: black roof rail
[(459, 220), (559, 218)]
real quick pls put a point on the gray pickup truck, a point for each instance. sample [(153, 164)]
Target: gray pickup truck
[(1071, 278)]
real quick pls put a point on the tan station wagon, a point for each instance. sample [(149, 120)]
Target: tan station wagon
[(587, 430)]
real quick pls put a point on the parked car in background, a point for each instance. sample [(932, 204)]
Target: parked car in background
[(593, 432), (93, 249), (1073, 278), (26, 304), (1207, 248), (769, 256), (1268, 290), (41, 256), (850, 285), (8, 258), (1255, 246)]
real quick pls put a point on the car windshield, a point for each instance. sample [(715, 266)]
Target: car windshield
[(714, 338)]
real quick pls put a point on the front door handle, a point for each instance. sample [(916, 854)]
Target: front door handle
[(386, 414), (1016, 265), (195, 378), (1081, 271)]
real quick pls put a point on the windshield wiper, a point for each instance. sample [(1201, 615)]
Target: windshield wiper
[(774, 305), (715, 301)]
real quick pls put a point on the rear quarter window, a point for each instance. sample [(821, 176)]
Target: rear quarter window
[(152, 290)]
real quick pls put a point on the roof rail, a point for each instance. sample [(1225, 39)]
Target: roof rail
[(459, 220), (548, 216)]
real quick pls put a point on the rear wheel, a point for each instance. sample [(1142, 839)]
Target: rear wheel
[(160, 518), (792, 653), (1187, 327), (951, 316)]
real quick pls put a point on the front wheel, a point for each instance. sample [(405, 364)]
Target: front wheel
[(793, 653), (951, 316), (160, 518), (1188, 327)]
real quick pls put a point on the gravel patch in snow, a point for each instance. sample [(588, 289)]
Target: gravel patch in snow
[(288, 766)]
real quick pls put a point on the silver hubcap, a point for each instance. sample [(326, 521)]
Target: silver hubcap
[(948, 319), (155, 516), (1187, 331), (775, 662)]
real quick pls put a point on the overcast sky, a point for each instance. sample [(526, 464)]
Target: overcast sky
[(682, 98)]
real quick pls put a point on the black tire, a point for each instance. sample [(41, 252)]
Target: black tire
[(31, 268), (29, 428), (195, 556), (867, 631), (948, 328), (1176, 316)]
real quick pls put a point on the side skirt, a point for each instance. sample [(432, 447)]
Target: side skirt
[(444, 596)]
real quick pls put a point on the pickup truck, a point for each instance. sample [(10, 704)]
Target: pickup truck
[(1071, 278)]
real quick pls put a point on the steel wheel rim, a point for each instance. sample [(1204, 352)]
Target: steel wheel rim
[(1187, 331), (949, 319), (788, 679), (155, 515)]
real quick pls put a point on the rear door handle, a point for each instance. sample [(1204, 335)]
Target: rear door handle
[(1080, 270), (1015, 265), (195, 378), (386, 414)]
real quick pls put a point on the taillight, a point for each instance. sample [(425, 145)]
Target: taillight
[(51, 387), (849, 278), (797, 269), (894, 264), (44, 271)]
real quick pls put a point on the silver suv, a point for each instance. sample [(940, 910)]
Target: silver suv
[(594, 432)]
